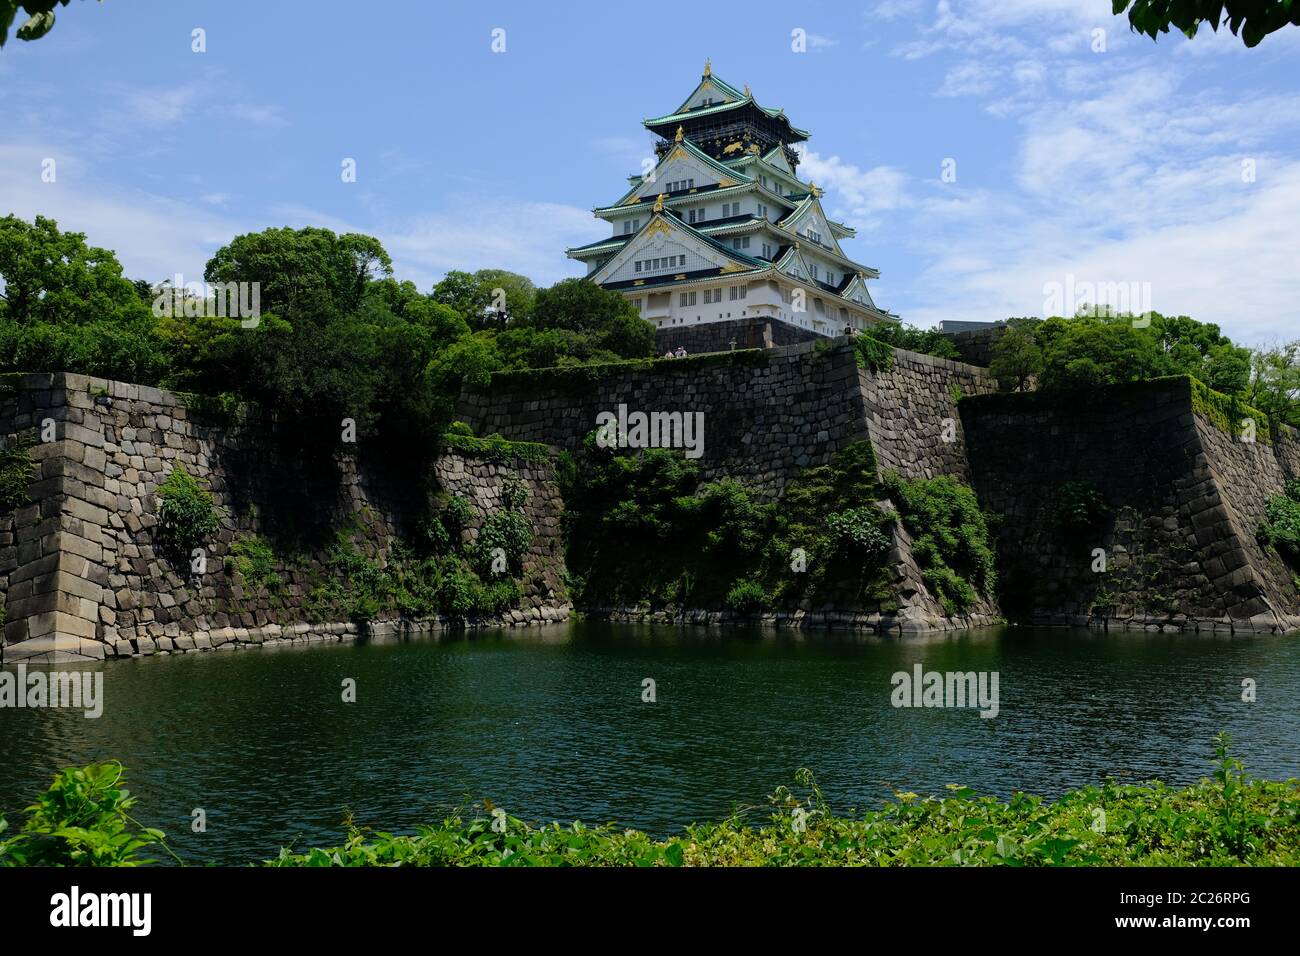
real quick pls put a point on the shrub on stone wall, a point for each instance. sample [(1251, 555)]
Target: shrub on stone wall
[(951, 538), (643, 530), (186, 514), (1079, 507), (254, 559), (873, 354), (1280, 529)]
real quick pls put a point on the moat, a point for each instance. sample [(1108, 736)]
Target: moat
[(549, 723)]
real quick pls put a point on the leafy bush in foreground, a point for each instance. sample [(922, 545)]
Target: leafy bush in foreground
[(1223, 821), (1227, 820)]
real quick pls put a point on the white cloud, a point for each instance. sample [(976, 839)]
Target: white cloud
[(258, 114), (968, 79), (157, 236), (861, 194), (895, 9), (154, 236)]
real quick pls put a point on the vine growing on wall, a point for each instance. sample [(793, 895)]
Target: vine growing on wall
[(16, 470)]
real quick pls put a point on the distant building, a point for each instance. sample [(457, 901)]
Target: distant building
[(724, 229), (963, 325)]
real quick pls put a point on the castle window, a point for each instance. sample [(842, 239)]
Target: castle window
[(638, 265)]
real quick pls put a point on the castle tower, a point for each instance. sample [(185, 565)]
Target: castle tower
[(723, 228)]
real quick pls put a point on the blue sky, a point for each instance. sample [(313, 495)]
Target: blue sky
[(1122, 165)]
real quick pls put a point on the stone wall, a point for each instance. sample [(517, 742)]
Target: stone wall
[(916, 429), (1183, 498), (976, 345), (767, 414), (751, 333), (82, 572)]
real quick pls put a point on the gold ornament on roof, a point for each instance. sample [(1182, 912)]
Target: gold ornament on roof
[(812, 188), (681, 135), (747, 93), (708, 67), (659, 203), (753, 149), (732, 147)]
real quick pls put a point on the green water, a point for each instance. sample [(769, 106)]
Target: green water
[(550, 724)]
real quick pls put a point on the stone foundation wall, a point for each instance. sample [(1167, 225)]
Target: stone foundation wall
[(976, 346), (766, 414), (752, 333), (1183, 497), (82, 570), (912, 416)]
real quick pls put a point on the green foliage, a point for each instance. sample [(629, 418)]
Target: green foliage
[(1228, 412), (1017, 357), (186, 515), (431, 574), (40, 17), (1274, 386), (81, 820), (1227, 819), (508, 531), (1224, 821), (495, 448), (855, 533), (1098, 348), (578, 305), (912, 339), (65, 306), (474, 297), (643, 530), (1080, 508), (871, 353), (580, 378), (746, 597), (951, 539), (256, 562), (1280, 528), (1252, 20), (16, 471)]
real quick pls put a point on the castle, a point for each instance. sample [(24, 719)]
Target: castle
[(723, 230)]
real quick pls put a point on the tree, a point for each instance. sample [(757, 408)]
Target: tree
[(65, 307), (488, 298), (913, 339), (53, 276), (1275, 382), (582, 306), (1017, 357), (40, 17), (1088, 353), (308, 273), (1252, 20)]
